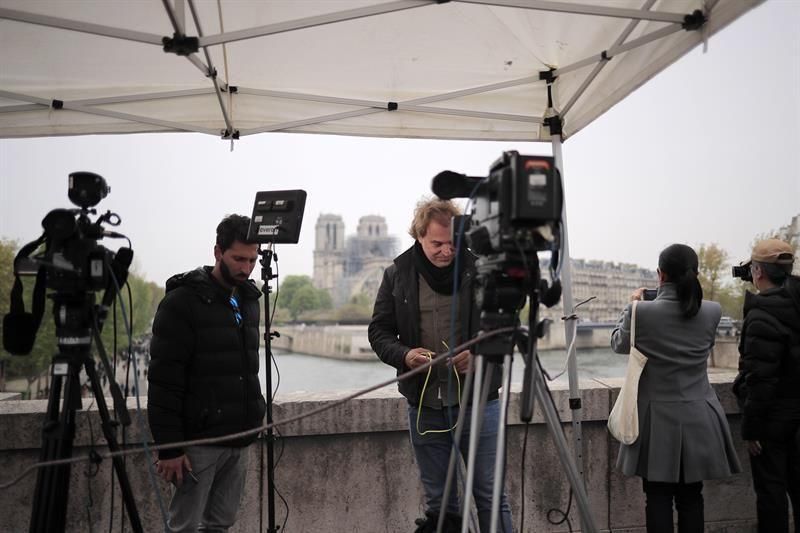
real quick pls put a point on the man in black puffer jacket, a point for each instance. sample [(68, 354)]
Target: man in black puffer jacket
[(768, 385), (203, 381)]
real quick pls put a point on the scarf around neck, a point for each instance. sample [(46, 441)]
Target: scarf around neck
[(440, 279)]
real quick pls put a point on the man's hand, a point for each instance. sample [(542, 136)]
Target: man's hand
[(171, 469), (754, 447), (462, 362), (417, 356)]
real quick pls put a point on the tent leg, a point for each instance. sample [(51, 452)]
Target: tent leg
[(569, 309)]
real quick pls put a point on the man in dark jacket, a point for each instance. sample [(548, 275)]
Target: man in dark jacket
[(203, 381), (411, 322), (768, 385)]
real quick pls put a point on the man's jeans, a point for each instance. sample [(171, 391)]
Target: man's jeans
[(433, 455), (212, 502)]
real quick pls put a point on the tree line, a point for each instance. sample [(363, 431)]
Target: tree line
[(298, 299)]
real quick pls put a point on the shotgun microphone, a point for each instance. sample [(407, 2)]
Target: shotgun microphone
[(448, 184)]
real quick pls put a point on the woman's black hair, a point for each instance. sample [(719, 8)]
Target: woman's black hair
[(679, 262)]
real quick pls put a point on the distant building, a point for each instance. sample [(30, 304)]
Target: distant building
[(349, 266), (353, 265), (611, 284)]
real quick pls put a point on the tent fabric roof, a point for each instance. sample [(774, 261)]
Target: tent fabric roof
[(399, 68)]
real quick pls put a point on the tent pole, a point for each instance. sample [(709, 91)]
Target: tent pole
[(569, 309)]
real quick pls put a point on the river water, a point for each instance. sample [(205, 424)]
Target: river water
[(309, 373)]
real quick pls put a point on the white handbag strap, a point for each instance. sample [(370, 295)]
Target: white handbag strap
[(633, 323)]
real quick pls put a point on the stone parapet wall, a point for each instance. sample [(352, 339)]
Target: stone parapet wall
[(351, 468)]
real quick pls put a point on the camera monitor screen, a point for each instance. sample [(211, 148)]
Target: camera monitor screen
[(277, 217)]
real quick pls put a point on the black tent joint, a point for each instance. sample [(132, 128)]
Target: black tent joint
[(604, 55), (391, 106), (548, 76), (212, 73), (57, 104), (226, 134), (233, 89), (180, 44), (694, 21), (574, 403), (555, 124)]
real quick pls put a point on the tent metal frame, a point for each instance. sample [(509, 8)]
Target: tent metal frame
[(176, 11)]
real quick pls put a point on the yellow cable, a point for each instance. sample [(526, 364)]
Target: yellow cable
[(430, 355)]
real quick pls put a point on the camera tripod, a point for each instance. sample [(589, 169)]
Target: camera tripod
[(534, 389), (76, 324)]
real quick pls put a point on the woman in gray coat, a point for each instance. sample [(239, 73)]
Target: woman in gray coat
[(683, 433)]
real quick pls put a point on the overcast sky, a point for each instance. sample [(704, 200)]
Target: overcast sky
[(708, 151)]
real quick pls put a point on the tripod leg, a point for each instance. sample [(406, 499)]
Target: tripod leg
[(479, 395), (567, 461), (51, 495), (500, 459), (454, 451), (111, 439)]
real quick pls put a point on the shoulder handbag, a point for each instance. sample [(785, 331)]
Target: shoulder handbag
[(623, 422)]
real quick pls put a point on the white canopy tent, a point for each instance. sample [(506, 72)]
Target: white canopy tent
[(514, 70), (473, 69)]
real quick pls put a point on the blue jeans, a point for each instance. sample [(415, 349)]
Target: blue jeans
[(433, 455)]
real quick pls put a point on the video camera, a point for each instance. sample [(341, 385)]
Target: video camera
[(517, 213), (72, 263), (742, 272)]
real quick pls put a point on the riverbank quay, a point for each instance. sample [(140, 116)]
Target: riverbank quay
[(350, 342), (351, 468)]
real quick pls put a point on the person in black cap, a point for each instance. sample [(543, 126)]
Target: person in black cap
[(768, 384)]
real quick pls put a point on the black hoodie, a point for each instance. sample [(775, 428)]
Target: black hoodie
[(203, 375), (769, 364)]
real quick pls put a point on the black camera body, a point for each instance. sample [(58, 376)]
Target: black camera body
[(73, 259), (518, 207), (73, 265), (517, 213), (742, 272)]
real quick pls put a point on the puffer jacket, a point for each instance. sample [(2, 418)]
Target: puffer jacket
[(768, 385), (395, 329), (203, 375)]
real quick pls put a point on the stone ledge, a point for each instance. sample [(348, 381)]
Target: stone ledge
[(377, 411)]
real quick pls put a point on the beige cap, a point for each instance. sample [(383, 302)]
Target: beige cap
[(773, 251)]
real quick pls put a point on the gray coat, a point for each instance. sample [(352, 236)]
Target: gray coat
[(681, 422)]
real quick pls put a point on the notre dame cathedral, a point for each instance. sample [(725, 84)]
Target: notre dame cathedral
[(348, 266)]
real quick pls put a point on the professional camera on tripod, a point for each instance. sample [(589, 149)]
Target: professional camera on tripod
[(74, 266), (517, 214)]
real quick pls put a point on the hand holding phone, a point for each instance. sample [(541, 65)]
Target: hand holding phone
[(649, 294)]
